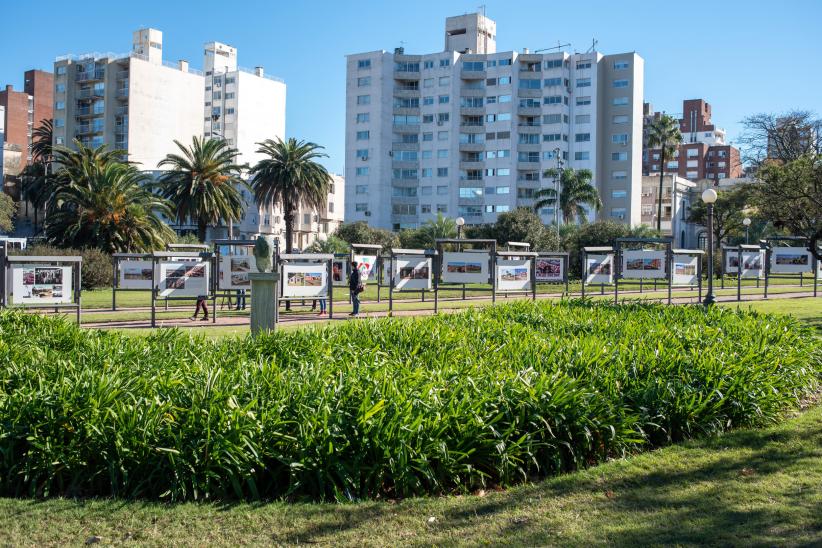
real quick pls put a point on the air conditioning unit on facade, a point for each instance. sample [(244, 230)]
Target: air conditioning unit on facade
[(367, 213)]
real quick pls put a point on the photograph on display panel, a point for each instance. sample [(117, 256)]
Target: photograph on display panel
[(134, 274), (514, 275), (791, 260), (41, 284), (752, 263), (365, 264), (731, 261), (550, 269), (643, 264), (465, 267), (183, 279), (685, 270), (412, 272), (234, 271), (598, 269), (339, 272), (305, 280)]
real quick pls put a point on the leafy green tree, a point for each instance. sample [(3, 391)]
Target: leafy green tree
[(113, 211), (576, 191), (730, 209), (663, 133), (7, 211), (790, 195), (360, 233), (289, 175), (202, 183), (332, 244), (600, 233), (520, 225), (425, 237)]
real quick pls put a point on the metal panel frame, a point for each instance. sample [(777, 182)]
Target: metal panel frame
[(319, 258), (459, 242), (618, 250)]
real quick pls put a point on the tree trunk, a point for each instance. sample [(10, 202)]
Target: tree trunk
[(201, 230), (661, 177), (288, 220)]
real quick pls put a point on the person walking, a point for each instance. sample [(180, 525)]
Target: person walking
[(240, 299), (355, 287), (201, 303), (322, 307)]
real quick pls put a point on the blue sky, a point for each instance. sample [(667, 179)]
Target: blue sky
[(742, 56)]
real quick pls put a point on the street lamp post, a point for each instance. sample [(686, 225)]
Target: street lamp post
[(557, 181), (747, 223), (709, 198), (460, 222)]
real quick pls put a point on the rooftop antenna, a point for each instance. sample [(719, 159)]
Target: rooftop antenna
[(481, 10), (558, 47), (593, 47)]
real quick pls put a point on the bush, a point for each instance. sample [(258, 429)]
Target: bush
[(600, 233), (382, 408), (361, 233), (96, 267), (520, 225)]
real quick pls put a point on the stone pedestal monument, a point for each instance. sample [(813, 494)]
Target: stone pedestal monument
[(264, 287)]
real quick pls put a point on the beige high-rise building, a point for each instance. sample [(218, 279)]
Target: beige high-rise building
[(469, 131)]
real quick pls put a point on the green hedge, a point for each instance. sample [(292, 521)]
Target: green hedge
[(382, 408)]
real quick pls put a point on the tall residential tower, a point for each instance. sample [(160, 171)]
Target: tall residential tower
[(470, 131)]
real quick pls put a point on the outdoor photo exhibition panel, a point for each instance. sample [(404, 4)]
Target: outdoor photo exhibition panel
[(40, 282), (340, 269), (514, 272), (131, 272), (552, 267), (409, 270), (182, 275), (749, 263), (685, 271), (597, 267), (234, 271), (307, 276), (788, 258), (466, 267), (638, 260), (464, 264)]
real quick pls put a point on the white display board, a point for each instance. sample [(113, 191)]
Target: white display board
[(550, 269), (41, 284), (731, 261), (339, 271), (183, 278), (366, 265), (642, 263), (134, 274), (685, 270), (412, 272), (791, 260), (753, 264), (305, 280), (465, 267), (514, 275), (599, 269), (234, 271)]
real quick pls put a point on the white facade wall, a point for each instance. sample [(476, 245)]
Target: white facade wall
[(2, 143), (405, 183)]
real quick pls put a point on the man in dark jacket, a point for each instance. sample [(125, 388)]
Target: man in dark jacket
[(354, 281)]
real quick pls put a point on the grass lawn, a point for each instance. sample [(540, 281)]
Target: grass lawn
[(750, 487)]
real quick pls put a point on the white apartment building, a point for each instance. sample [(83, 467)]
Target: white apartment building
[(135, 102), (2, 145), (469, 131)]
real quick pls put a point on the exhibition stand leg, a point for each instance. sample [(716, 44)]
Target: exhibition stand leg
[(263, 301)]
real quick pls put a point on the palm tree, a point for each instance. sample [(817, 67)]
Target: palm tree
[(576, 192), (75, 167), (289, 176), (663, 133), (113, 210), (202, 183), (36, 187), (41, 139), (438, 229)]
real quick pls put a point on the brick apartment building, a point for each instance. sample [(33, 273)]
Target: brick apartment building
[(24, 110), (703, 153)]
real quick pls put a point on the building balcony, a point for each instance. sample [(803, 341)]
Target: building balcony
[(406, 93), (472, 128), (405, 146), (405, 183), (85, 94), (472, 92), (529, 93), (529, 111), (405, 164), (529, 147), (472, 111), (406, 128), (479, 164), (90, 76), (121, 145), (122, 74), (406, 111), (122, 93), (86, 112), (472, 147), (528, 166), (121, 110), (473, 74), (406, 75), (531, 127)]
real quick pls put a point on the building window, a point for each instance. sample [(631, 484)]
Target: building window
[(363, 82), (229, 95), (552, 100), (61, 70), (619, 138), (582, 137), (361, 172), (445, 80), (442, 136), (620, 119), (363, 135), (442, 191), (504, 98), (583, 82), (621, 65), (404, 209), (442, 172), (427, 154), (427, 172), (59, 122), (471, 192), (360, 207), (361, 189), (618, 212), (362, 153), (582, 155), (445, 63), (428, 100), (620, 101), (551, 137), (442, 153), (581, 101), (364, 64), (550, 82), (443, 99), (428, 136), (621, 83), (428, 64), (428, 83), (582, 119), (473, 65), (363, 99), (586, 64), (618, 175), (426, 208), (504, 80), (619, 156), (528, 83), (363, 117), (425, 190), (60, 105)]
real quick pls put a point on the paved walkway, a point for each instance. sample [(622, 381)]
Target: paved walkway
[(296, 319)]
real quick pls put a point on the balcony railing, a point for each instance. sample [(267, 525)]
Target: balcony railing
[(90, 76)]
